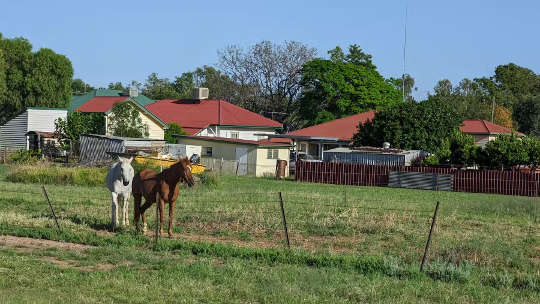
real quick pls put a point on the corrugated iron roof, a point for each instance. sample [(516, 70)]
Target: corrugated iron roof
[(263, 142), (484, 127), (194, 116), (79, 100), (343, 128)]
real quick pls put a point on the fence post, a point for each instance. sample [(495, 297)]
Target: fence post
[(237, 164), (284, 220), (221, 166), (5, 154), (429, 237), (50, 206)]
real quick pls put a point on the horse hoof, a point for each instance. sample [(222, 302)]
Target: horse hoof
[(171, 235)]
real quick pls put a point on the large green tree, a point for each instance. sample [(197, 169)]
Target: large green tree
[(333, 89), (126, 121), (78, 86), (160, 88), (28, 78), (423, 125), (527, 115)]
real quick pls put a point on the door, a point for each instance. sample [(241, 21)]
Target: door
[(242, 161)]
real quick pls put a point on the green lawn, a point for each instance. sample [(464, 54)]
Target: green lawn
[(349, 244)]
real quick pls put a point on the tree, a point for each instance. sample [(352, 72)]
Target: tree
[(27, 78), (506, 151), (173, 129), (502, 116), (116, 86), (341, 89), (267, 74), (462, 148), (406, 80), (532, 146), (514, 83), (160, 88), (527, 115), (78, 86), (422, 126), (76, 124), (468, 98), (126, 121), (355, 56)]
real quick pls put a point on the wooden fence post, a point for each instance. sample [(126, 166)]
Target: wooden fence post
[(50, 206), (429, 237), (237, 164), (284, 221)]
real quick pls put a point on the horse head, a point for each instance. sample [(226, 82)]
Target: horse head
[(184, 167), (126, 170)]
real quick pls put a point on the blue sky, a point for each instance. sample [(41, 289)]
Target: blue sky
[(127, 40)]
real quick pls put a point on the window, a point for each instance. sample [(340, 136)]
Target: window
[(272, 154), (207, 151), (303, 147), (234, 135)]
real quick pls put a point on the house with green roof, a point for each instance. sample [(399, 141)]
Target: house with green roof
[(103, 100)]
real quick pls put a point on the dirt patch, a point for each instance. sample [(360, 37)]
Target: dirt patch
[(73, 264), (29, 244)]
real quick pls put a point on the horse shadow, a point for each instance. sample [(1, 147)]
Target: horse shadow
[(92, 222)]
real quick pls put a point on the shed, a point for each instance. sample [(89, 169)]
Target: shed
[(237, 156), (374, 156), (13, 134), (94, 147)]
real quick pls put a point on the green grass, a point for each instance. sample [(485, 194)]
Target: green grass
[(50, 174), (349, 244)]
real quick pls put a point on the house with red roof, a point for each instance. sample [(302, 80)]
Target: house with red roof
[(484, 131), (200, 116), (316, 139), (238, 156), (103, 100)]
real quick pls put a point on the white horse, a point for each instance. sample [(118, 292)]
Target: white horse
[(119, 181)]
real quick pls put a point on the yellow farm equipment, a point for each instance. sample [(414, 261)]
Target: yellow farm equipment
[(166, 163)]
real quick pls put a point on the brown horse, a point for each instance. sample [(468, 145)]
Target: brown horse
[(147, 183)]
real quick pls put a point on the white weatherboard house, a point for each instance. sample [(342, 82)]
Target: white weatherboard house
[(38, 121)]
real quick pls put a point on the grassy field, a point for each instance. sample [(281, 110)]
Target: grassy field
[(349, 244)]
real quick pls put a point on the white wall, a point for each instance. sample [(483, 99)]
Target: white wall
[(12, 133), (243, 132), (43, 120)]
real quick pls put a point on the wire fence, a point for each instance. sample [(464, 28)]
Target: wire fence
[(286, 219)]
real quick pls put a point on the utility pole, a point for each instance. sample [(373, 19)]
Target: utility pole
[(404, 47), (492, 108)]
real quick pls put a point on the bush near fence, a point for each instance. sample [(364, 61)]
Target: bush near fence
[(476, 181)]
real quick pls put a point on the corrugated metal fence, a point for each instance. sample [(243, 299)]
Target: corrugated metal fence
[(479, 181)]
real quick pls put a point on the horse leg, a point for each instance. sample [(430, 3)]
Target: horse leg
[(137, 207), (171, 212), (142, 209), (126, 209), (114, 210), (161, 207)]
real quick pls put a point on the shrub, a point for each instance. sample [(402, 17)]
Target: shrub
[(209, 179), (57, 175), (25, 156), (449, 272)]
